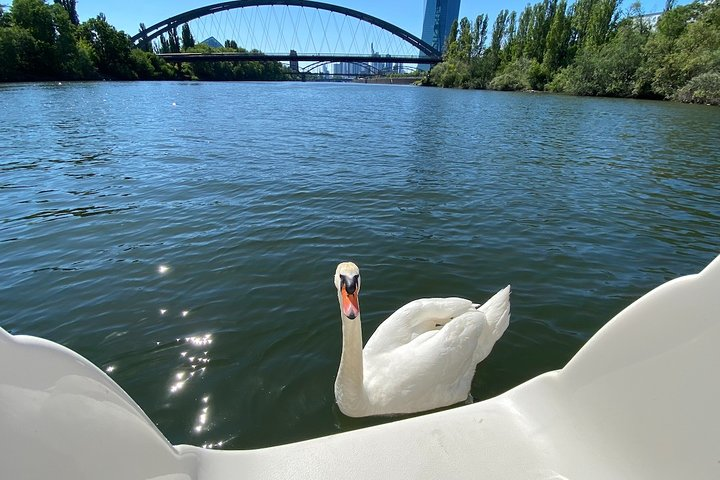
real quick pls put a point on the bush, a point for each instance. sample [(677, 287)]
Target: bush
[(704, 88), (451, 73), (520, 74), (509, 82), (561, 81)]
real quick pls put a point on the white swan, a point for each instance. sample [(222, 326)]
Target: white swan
[(422, 357)]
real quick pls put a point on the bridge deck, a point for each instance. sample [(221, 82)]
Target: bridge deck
[(278, 57)]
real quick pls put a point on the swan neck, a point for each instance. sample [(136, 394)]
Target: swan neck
[(349, 389)]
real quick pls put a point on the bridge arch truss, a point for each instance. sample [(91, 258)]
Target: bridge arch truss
[(281, 26)]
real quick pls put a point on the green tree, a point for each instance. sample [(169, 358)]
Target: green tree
[(450, 44), (36, 50), (606, 70), (145, 45), (542, 16), (465, 39), (164, 45), (173, 40), (686, 44), (74, 63), (510, 33), (110, 48), (558, 39), (17, 50), (522, 33), (498, 34), (71, 8), (187, 38), (479, 35), (36, 17), (603, 19), (4, 17)]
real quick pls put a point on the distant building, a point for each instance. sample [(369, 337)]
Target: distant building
[(348, 69), (294, 64), (212, 42), (439, 16), (648, 20)]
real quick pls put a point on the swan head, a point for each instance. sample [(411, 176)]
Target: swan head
[(347, 282)]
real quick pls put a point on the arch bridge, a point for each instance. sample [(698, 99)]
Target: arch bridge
[(289, 31)]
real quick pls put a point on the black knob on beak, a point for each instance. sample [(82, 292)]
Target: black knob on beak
[(351, 284)]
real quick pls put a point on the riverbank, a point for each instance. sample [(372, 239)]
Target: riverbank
[(589, 49)]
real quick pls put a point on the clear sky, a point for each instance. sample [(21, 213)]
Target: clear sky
[(127, 14)]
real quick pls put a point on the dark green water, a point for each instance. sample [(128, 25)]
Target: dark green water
[(251, 193)]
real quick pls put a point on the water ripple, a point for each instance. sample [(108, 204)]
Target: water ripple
[(142, 221)]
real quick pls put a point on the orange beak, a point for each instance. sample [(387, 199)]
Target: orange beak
[(350, 307)]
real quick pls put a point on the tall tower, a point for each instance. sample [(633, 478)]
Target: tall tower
[(439, 15)]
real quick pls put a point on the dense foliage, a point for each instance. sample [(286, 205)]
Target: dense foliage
[(589, 48), (40, 41)]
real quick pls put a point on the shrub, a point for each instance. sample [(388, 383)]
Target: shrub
[(514, 76), (450, 73), (704, 88)]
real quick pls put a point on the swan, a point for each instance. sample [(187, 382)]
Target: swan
[(421, 357)]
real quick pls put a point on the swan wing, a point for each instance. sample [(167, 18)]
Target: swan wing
[(413, 320), (432, 370), (424, 355)]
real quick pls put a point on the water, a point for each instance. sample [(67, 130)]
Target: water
[(183, 236)]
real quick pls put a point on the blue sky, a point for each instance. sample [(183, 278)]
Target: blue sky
[(127, 14)]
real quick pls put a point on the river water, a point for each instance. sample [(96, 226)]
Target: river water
[(183, 236)]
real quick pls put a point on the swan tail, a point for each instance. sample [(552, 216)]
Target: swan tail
[(497, 312)]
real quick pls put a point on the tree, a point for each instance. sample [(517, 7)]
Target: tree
[(4, 17), (450, 44), (497, 39), (558, 39), (173, 40), (36, 17), (602, 21), (479, 35), (542, 16), (522, 32), (187, 38), (70, 8), (38, 57), (465, 40), (509, 36), (606, 70), (73, 62), (145, 45), (686, 43), (164, 45), (110, 48), (17, 48)]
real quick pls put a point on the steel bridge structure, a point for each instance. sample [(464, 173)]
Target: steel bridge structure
[(296, 31)]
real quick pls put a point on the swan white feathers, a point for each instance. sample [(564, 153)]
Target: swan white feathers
[(422, 357)]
